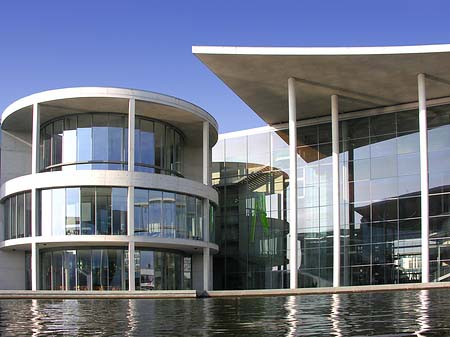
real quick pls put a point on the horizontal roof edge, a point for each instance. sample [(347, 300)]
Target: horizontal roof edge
[(298, 51)]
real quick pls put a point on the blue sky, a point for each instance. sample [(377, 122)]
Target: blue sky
[(147, 44)]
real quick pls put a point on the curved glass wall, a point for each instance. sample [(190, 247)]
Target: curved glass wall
[(167, 214), (84, 269), (83, 211), (17, 216), (157, 147), (157, 270), (99, 141)]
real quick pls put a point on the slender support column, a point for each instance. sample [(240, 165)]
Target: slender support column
[(424, 176), (336, 206), (34, 210), (131, 123), (34, 266), (35, 140), (292, 183), (131, 267), (130, 198), (206, 181), (206, 151)]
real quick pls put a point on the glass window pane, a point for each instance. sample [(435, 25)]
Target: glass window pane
[(20, 215), (181, 215), (140, 211), (72, 211), (57, 141), (87, 210), (116, 141), (382, 124), (103, 211), (7, 218), (155, 212), (169, 145), (84, 269), (169, 214), (13, 217), (159, 139), (119, 211), (28, 214), (100, 139), (147, 145), (69, 145), (84, 139)]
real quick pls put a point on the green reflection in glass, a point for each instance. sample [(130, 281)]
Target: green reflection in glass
[(259, 211)]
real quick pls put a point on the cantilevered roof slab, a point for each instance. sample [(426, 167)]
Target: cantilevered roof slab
[(364, 77)]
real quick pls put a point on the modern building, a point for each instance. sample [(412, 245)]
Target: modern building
[(98, 184), (349, 182)]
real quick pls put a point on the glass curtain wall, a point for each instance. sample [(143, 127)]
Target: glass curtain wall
[(99, 141), (158, 147), (380, 193), (158, 270), (83, 211), (251, 175), (439, 192), (17, 216), (90, 141), (84, 269), (167, 214), (379, 199)]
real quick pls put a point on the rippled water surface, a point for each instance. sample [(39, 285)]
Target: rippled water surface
[(406, 313)]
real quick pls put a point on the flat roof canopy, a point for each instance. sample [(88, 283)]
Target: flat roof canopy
[(363, 77)]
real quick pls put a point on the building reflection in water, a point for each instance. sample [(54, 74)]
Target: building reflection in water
[(335, 312), (36, 318), (423, 313), (291, 318), (131, 317)]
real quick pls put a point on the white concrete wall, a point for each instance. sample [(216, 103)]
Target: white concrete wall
[(16, 155), (197, 272), (12, 270), (193, 162)]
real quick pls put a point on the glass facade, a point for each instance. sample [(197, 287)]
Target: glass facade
[(99, 141), (251, 228), (379, 202), (17, 216), (439, 192), (84, 269), (167, 214), (83, 211), (158, 270)]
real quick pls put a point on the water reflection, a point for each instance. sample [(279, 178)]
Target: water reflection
[(291, 315), (335, 307), (423, 318), (419, 313)]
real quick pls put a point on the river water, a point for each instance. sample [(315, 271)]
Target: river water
[(403, 313)]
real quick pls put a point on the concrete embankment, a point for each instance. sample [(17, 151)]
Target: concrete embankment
[(326, 290), (43, 294), (167, 294)]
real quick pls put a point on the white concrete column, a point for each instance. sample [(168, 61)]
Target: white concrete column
[(293, 183), (423, 136), (131, 123), (206, 181), (35, 139), (206, 151), (336, 206), (130, 198), (34, 266), (131, 267), (34, 206)]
